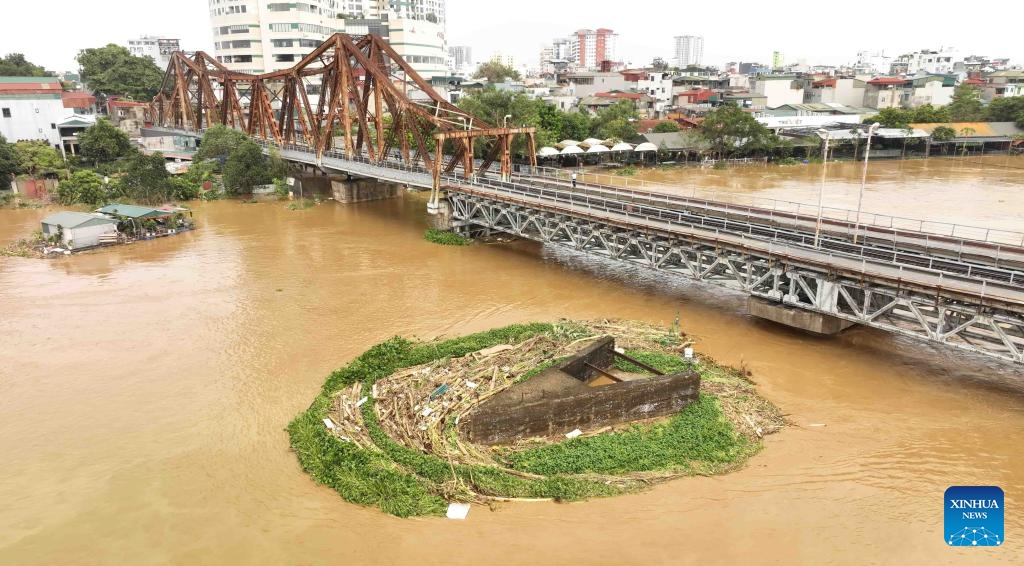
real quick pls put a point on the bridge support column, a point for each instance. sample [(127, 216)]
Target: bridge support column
[(796, 317), (362, 190)]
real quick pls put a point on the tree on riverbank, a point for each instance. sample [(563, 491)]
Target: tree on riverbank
[(9, 164), (104, 142), (85, 187), (246, 168), (38, 158), (730, 131)]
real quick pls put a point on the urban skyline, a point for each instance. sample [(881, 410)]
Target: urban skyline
[(523, 33)]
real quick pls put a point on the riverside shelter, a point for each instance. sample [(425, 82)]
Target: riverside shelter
[(78, 229)]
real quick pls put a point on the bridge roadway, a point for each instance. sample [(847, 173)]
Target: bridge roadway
[(957, 291)]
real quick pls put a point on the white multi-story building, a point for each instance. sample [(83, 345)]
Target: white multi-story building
[(257, 36), (689, 50), (158, 48), (31, 108), (927, 61)]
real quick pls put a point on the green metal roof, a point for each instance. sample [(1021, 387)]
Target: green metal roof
[(29, 80), (133, 211), (69, 220)]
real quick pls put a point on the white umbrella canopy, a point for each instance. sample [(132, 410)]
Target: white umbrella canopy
[(572, 149), (547, 152), (597, 148), (569, 142), (622, 146), (646, 146), (593, 141)]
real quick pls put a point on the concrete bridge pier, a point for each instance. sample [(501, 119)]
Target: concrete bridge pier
[(353, 189), (796, 317)]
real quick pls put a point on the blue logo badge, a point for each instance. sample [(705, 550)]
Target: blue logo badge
[(974, 516)]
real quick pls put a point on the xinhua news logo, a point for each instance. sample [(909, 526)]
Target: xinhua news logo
[(974, 516)]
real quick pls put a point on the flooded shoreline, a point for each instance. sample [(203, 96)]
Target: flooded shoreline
[(145, 392)]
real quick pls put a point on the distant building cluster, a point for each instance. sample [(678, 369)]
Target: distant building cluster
[(584, 49)]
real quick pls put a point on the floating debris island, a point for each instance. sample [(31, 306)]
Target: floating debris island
[(562, 411)]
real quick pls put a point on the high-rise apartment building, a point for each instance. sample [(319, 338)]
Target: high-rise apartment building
[(591, 48), (159, 48), (257, 36), (460, 58), (689, 50)]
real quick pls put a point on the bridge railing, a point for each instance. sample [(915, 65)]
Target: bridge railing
[(961, 231)]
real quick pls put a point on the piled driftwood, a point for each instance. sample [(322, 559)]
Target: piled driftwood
[(421, 407)]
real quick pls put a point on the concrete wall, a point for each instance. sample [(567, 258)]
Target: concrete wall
[(362, 190), (558, 401)]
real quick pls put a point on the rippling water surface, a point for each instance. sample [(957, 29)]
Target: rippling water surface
[(144, 391)]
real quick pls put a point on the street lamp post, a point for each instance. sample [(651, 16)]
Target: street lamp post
[(863, 180), (821, 189)]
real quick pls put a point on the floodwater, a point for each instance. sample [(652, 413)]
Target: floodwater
[(144, 392)]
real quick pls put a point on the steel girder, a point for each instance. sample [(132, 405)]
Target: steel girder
[(353, 94), (985, 329)]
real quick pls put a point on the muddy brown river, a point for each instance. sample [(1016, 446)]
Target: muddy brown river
[(144, 392)]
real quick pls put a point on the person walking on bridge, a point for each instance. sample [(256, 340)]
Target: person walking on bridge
[(574, 179)]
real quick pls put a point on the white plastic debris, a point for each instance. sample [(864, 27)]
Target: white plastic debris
[(817, 424), (574, 433), (620, 350), (688, 353), (360, 402), (458, 511), (426, 411), (470, 384), (329, 423)]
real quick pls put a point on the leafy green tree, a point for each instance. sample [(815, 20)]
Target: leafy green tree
[(218, 142), (246, 168), (728, 129), (495, 72), (15, 65), (113, 70), (966, 105), (37, 158), (1009, 109), (666, 127), (492, 105), (104, 142), (928, 114), (146, 179), (82, 187), (891, 118), (10, 165), (575, 126), (616, 121), (943, 133)]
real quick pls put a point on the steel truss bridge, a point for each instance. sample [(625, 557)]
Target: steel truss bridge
[(372, 116)]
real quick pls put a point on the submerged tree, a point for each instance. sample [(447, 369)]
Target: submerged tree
[(146, 179), (728, 129), (83, 186)]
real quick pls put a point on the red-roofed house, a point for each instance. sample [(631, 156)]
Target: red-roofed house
[(31, 108), (884, 92), (81, 103)]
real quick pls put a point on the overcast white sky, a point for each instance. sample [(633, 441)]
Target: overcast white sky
[(831, 32)]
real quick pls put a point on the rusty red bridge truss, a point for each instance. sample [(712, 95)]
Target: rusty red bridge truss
[(354, 95)]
